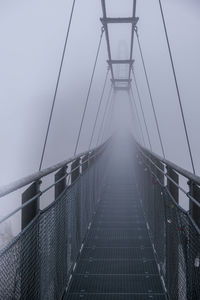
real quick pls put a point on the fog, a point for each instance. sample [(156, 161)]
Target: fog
[(32, 37)]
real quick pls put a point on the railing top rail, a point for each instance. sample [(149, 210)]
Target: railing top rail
[(175, 167), (14, 186)]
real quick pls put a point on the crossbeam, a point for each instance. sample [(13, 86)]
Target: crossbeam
[(120, 61), (131, 20), (121, 80), (122, 88)]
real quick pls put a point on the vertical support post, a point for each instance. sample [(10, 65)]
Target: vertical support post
[(158, 173), (91, 158), (61, 185), (172, 251), (31, 210), (194, 209), (85, 163), (75, 167), (193, 256), (62, 227), (30, 257), (157, 204), (173, 189)]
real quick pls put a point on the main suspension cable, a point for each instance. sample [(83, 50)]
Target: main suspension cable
[(177, 86), (57, 85), (108, 122), (89, 90), (150, 94), (104, 115), (99, 107), (141, 107), (137, 114)]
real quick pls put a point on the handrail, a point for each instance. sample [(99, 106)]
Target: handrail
[(185, 173), (14, 186), (39, 194), (169, 178), (94, 153)]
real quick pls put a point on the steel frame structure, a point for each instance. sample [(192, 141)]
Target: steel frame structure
[(105, 20)]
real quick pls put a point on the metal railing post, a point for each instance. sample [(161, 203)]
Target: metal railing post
[(160, 165), (31, 210), (30, 256), (62, 223), (76, 240), (61, 185), (193, 257), (194, 191), (85, 163), (173, 189), (75, 167), (172, 255)]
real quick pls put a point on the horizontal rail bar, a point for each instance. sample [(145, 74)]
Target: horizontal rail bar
[(118, 80), (121, 61), (20, 208), (132, 20), (168, 177), (45, 190), (14, 186), (185, 173)]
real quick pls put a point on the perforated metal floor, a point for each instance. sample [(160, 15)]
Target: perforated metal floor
[(117, 261)]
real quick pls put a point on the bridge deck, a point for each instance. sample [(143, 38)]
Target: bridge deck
[(117, 260)]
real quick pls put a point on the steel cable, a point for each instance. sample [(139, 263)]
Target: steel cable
[(109, 121), (142, 110), (150, 93), (104, 115), (99, 107), (57, 85), (137, 114), (177, 86), (89, 90)]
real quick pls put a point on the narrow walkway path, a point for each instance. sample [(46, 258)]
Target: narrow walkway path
[(117, 261)]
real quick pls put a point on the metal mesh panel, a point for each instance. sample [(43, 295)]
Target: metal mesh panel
[(175, 237), (37, 263)]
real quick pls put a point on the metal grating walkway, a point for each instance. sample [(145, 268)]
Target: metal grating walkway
[(117, 261)]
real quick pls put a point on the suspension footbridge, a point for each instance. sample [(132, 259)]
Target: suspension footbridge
[(115, 228)]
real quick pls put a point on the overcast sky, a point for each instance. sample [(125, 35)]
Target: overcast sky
[(32, 36)]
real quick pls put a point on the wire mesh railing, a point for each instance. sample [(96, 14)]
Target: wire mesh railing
[(38, 262), (174, 232)]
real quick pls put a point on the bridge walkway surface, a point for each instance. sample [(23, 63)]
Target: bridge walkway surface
[(117, 260)]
